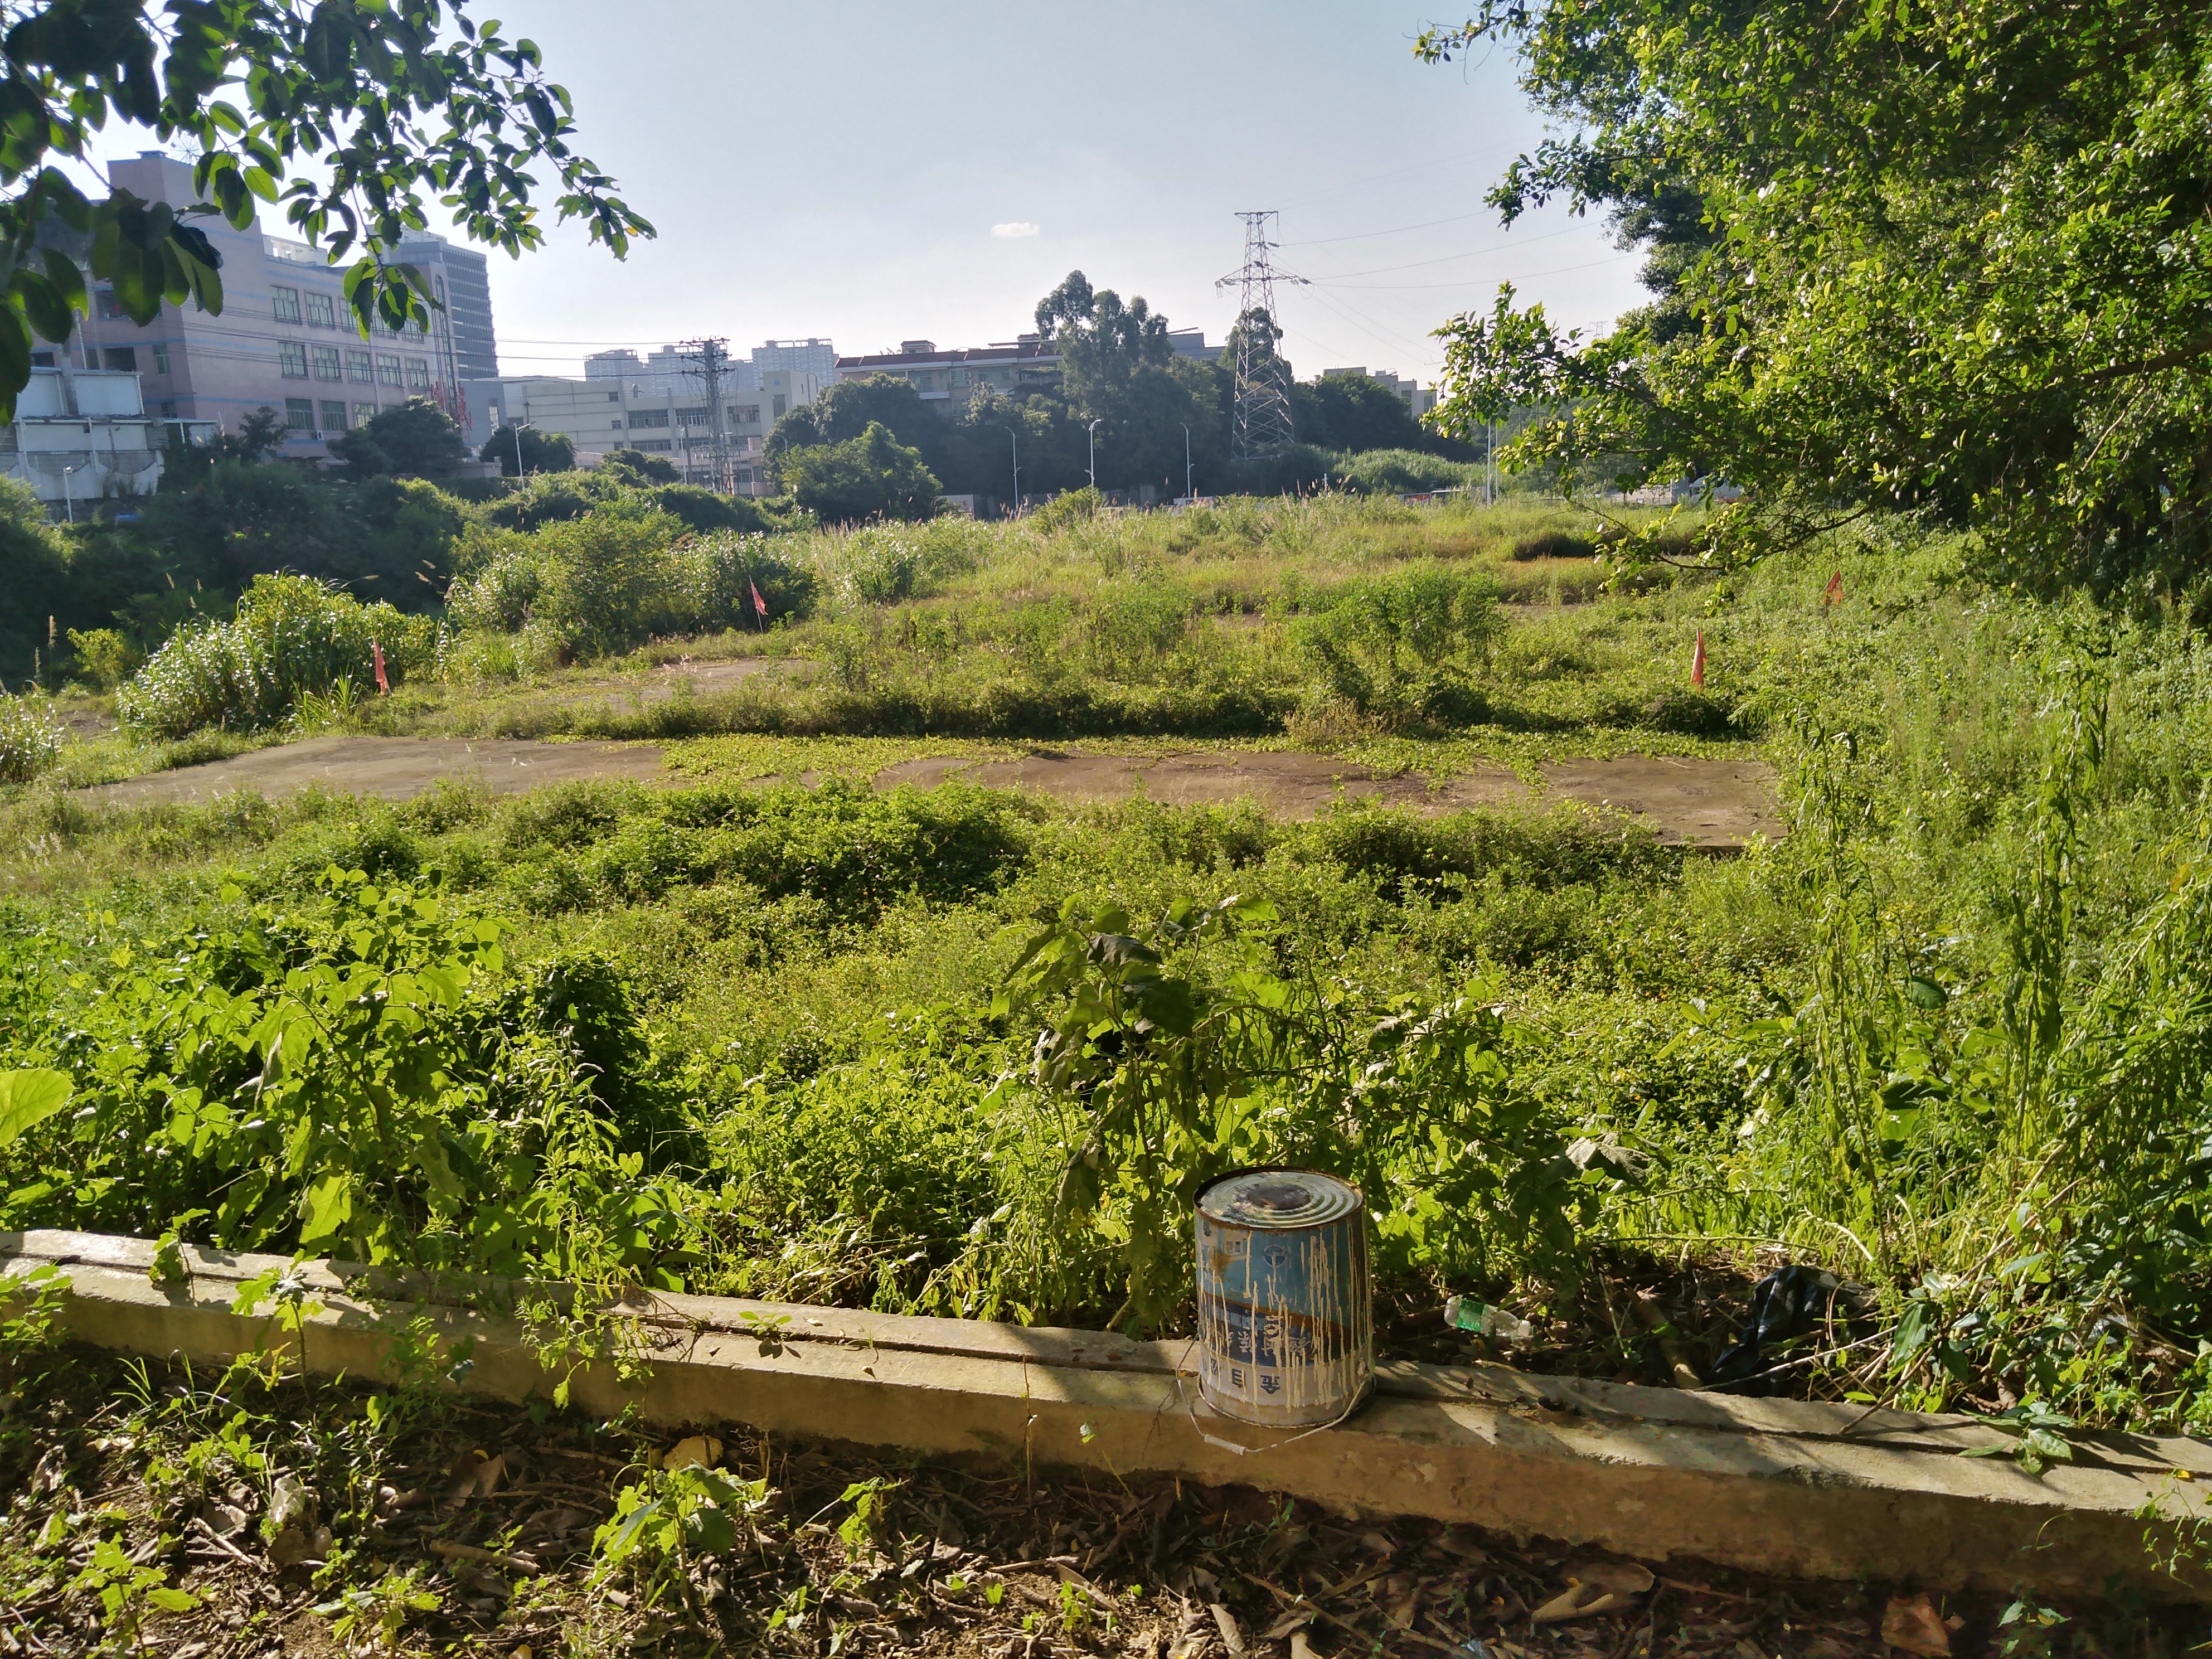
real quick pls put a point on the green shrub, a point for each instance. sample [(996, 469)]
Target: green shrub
[(1400, 472), (1555, 545), (30, 741), (359, 1072), (105, 657), (293, 637), (1074, 507)]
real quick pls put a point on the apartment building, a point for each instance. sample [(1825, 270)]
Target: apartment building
[(807, 356), (81, 436), (950, 378), (1016, 368), (285, 338), (668, 416)]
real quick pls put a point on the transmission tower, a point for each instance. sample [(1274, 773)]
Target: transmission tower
[(712, 358), (1263, 401)]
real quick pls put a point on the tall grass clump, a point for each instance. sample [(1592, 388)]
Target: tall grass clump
[(294, 637), (30, 741)]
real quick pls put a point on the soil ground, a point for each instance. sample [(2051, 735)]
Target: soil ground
[(1718, 804), (485, 1517)]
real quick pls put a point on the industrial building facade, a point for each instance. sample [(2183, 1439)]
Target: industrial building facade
[(664, 414), (285, 339)]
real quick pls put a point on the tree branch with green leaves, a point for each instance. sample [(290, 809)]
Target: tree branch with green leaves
[(354, 116)]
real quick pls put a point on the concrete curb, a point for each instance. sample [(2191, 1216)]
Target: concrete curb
[(1789, 1488)]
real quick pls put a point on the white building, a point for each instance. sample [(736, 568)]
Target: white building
[(81, 436), (1419, 398), (667, 415)]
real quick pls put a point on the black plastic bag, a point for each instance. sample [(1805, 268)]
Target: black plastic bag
[(1788, 1303)]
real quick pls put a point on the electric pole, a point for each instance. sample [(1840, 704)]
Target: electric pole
[(1263, 401), (713, 358)]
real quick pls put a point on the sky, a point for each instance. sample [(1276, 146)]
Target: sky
[(871, 172)]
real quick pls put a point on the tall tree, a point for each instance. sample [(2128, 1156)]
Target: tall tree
[(413, 440), (871, 477), (519, 449), (1957, 258), (391, 101)]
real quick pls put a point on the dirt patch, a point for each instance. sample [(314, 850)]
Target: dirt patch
[(1716, 804), (392, 769)]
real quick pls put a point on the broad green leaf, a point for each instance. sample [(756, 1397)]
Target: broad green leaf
[(28, 1098)]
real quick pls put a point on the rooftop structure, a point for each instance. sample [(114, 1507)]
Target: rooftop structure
[(82, 435)]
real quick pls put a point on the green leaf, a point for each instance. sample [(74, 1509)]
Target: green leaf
[(172, 1600), (28, 1098)]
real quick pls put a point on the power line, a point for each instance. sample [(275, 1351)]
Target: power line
[(1522, 276)]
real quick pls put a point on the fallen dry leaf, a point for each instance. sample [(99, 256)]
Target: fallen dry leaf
[(701, 1450), (1301, 1648), (1231, 1637), (1580, 1601), (1621, 1577), (1910, 1622)]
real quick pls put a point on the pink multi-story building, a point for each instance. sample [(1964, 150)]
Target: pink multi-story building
[(285, 339)]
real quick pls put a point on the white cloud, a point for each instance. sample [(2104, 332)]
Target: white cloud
[(1020, 227)]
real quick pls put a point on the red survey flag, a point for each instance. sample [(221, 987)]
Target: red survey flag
[(1833, 592), (759, 603), (1697, 660), (383, 686)]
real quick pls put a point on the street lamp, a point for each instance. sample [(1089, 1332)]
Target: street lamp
[(1094, 452), (69, 501), (518, 426), (1015, 438), (1188, 494)]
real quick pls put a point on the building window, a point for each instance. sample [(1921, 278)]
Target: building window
[(359, 367), (363, 414), (641, 418), (109, 306), (779, 406), (286, 303), (387, 370), (614, 397), (418, 374), (321, 312), (959, 377), (42, 360), (161, 360), (124, 358), (168, 408), (656, 445), (749, 413), (745, 474), (292, 359), (925, 379), (300, 414), (329, 365), (334, 419)]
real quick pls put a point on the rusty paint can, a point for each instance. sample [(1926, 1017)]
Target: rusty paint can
[(1285, 1315)]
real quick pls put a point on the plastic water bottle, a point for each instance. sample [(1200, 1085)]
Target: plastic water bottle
[(1465, 1313)]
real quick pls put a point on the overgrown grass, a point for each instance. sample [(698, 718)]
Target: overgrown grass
[(1944, 1040)]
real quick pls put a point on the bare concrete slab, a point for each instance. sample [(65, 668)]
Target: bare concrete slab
[(1716, 804), (391, 768), (1778, 1487)]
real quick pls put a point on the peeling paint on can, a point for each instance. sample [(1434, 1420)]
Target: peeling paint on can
[(1285, 1317)]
